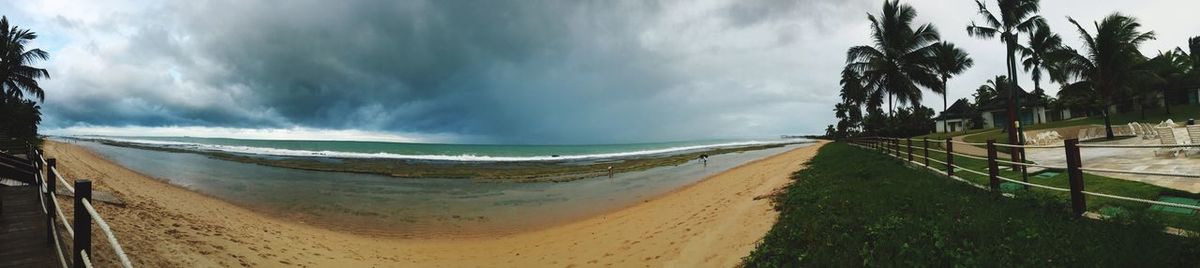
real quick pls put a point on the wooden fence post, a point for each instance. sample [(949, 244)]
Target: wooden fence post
[(909, 149), (51, 184), (891, 146), (926, 148), (993, 167), (949, 157), (1075, 175), (83, 223)]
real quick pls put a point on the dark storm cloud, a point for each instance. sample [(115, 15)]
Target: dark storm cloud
[(510, 71)]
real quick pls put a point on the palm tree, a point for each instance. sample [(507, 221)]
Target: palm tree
[(1016, 16), (1194, 56), (853, 90), (898, 61), (948, 61), (16, 76), (1167, 72), (1043, 46), (1194, 48), (1109, 65)]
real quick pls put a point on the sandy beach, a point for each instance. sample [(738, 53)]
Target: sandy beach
[(713, 223)]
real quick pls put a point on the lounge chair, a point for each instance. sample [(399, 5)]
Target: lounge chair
[(1194, 134), (1150, 129), (1167, 137)]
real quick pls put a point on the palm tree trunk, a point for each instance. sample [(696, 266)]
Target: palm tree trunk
[(1166, 101), (945, 91), (1108, 133), (1143, 109), (1037, 87), (1013, 113)]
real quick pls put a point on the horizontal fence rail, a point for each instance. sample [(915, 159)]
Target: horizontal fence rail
[(1074, 168), (1142, 172), (78, 230), (1139, 145)]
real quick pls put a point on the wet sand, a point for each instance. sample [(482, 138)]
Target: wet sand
[(713, 223)]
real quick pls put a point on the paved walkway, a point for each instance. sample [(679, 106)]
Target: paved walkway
[(1136, 159)]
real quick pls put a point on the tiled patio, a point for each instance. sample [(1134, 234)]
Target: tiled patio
[(1136, 159)]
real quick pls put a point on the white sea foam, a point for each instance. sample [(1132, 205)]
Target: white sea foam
[(463, 157)]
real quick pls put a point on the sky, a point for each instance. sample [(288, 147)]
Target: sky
[(529, 72)]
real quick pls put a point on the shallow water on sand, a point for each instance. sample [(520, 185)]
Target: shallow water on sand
[(414, 207)]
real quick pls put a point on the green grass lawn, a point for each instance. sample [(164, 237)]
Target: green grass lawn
[(1092, 183), (943, 136), (856, 207)]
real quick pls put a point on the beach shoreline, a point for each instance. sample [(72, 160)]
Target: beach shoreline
[(484, 171), (167, 225)]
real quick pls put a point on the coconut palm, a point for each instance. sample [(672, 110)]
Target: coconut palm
[(1042, 46), (1016, 16), (16, 76), (21, 117), (853, 90), (1109, 65), (1168, 71), (948, 61), (897, 62)]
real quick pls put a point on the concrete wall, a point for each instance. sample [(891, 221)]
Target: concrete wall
[(954, 124)]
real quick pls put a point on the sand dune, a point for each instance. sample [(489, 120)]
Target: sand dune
[(713, 223)]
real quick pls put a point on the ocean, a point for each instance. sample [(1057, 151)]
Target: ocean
[(433, 151), (417, 207)]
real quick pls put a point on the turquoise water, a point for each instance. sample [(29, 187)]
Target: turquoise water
[(414, 207), (429, 151)]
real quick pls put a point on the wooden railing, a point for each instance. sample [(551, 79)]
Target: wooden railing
[(903, 149), (79, 230)]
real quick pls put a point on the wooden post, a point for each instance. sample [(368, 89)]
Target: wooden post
[(1024, 169), (891, 147), (896, 145), (909, 149), (993, 167), (949, 157), (1078, 203), (926, 148), (50, 188), (83, 223)]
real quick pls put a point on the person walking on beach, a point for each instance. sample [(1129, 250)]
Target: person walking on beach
[(704, 159), (610, 172)]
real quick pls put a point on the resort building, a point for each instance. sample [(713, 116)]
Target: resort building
[(1034, 110), (1194, 96), (954, 118)]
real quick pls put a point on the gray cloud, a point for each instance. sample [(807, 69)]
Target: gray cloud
[(502, 71), (509, 71)]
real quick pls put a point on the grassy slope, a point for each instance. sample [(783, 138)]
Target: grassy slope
[(853, 207)]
